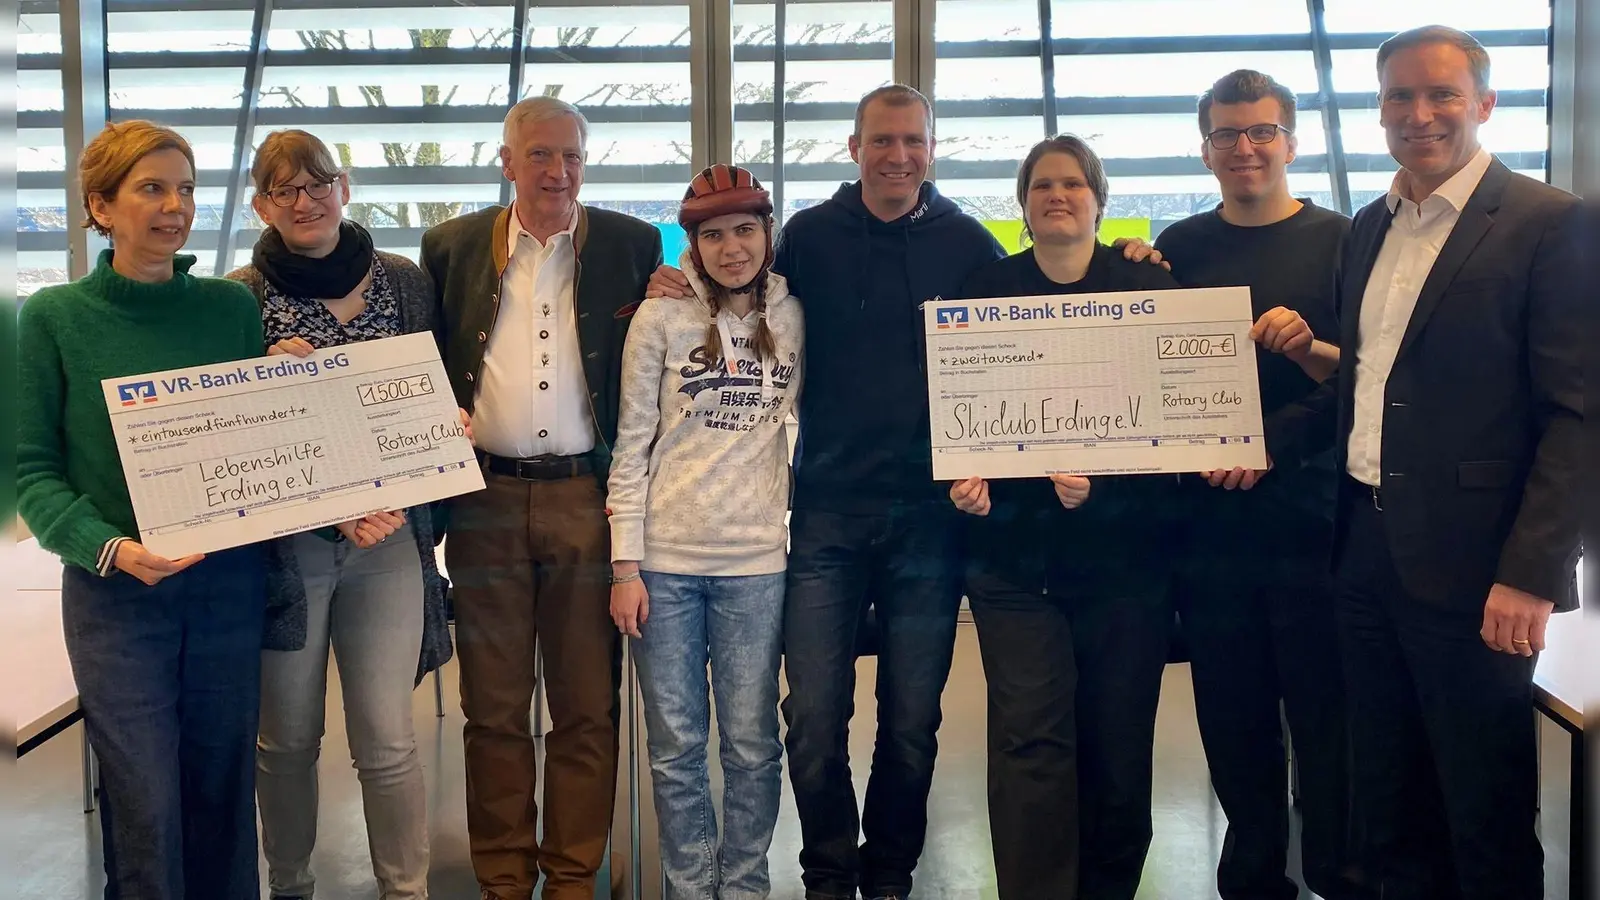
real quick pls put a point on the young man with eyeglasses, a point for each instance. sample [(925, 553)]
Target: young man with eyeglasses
[(1253, 592)]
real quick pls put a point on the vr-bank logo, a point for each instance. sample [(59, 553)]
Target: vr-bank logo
[(135, 392), (950, 317)]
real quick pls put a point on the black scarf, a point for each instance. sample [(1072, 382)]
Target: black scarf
[(330, 278)]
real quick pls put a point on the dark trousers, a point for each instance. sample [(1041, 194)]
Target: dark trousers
[(1074, 678), (1442, 726), (1261, 630), (907, 563), (530, 561), (169, 684)]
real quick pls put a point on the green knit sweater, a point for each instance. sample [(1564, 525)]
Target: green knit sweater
[(70, 487)]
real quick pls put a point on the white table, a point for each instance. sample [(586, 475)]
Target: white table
[(41, 696), (1560, 686)]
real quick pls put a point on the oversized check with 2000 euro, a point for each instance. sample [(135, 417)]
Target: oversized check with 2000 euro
[(225, 455), (1093, 384)]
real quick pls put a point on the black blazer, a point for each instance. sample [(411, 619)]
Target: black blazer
[(1483, 409)]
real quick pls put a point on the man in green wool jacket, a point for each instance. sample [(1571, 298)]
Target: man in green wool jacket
[(534, 306)]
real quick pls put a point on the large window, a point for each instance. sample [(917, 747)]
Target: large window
[(989, 87), (1516, 34), (411, 94), (830, 54), (43, 211), (410, 99), (184, 67), (627, 67), (1132, 90)]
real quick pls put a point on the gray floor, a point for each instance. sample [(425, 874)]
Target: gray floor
[(49, 849)]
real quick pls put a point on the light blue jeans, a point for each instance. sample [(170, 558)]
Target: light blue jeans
[(367, 606), (734, 624)]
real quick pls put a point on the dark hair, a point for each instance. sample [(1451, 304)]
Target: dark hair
[(893, 95), (1094, 172), (1477, 56), (1247, 86)]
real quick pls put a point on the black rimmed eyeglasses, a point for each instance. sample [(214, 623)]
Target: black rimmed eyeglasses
[(289, 194), (1228, 138)]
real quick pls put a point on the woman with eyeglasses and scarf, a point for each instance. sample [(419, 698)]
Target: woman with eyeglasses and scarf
[(369, 588)]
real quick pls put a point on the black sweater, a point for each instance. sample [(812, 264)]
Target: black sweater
[(1029, 541)]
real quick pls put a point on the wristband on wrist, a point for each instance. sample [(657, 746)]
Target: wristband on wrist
[(623, 579)]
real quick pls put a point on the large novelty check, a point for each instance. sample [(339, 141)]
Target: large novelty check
[(1093, 384), (225, 455)]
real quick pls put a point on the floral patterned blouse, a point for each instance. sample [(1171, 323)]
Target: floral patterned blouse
[(286, 317)]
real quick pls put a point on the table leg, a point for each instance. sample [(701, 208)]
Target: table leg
[(631, 685), (438, 694), (91, 774), (1577, 848), (538, 689)]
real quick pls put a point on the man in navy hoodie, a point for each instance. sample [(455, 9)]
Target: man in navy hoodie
[(870, 526)]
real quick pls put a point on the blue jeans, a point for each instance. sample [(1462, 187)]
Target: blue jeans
[(908, 564), (168, 679), (736, 625)]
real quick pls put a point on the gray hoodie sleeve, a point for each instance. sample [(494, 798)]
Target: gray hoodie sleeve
[(644, 357)]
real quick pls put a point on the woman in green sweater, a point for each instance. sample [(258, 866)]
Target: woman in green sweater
[(165, 652)]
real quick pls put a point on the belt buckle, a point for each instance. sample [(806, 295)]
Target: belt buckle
[(526, 470)]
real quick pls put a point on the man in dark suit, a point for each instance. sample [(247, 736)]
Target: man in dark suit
[(534, 305), (1458, 406)]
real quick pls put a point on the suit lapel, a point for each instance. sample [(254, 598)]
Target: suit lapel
[(1364, 255), (1476, 220)]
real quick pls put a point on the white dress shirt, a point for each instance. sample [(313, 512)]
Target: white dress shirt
[(1410, 248), (532, 395)]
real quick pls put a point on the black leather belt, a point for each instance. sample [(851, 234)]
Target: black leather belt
[(538, 468), (1362, 492)]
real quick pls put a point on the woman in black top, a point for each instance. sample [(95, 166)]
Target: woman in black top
[(1068, 590)]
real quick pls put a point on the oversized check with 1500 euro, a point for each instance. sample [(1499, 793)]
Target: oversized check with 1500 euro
[(225, 455), (1093, 384)]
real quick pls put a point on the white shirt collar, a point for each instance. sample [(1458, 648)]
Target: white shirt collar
[(516, 231), (1456, 191)]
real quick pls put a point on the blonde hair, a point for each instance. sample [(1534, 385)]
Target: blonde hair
[(285, 153), (114, 152)]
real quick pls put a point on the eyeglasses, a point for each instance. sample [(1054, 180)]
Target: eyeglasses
[(1228, 138), (289, 194)]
